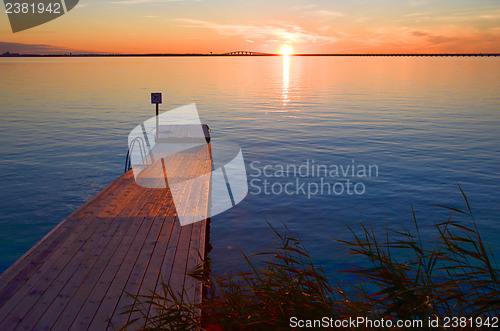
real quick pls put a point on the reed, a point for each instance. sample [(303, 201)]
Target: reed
[(406, 278), (452, 275)]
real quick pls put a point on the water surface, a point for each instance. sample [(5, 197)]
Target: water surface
[(426, 123)]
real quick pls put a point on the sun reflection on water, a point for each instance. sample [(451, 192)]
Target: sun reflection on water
[(286, 79)]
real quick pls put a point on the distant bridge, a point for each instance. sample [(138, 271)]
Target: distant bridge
[(248, 53)]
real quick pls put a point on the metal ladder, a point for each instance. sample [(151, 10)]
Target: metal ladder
[(140, 142)]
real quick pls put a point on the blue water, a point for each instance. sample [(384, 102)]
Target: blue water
[(425, 123)]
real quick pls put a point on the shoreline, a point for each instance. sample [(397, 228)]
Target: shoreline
[(7, 54)]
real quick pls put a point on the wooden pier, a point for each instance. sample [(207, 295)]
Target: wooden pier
[(127, 238)]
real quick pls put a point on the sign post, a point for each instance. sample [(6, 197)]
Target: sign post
[(156, 99)]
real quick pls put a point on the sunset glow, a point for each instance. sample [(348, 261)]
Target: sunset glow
[(189, 26)]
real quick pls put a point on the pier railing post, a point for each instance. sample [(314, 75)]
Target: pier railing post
[(156, 99), (157, 112)]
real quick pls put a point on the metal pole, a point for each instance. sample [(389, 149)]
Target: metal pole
[(157, 134), (156, 98)]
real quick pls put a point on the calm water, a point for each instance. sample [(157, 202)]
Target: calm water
[(425, 123)]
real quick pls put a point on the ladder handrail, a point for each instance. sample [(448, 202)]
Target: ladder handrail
[(142, 149)]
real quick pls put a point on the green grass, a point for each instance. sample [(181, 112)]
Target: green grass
[(452, 275)]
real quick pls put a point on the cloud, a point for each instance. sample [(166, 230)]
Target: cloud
[(290, 33), (459, 16), (415, 14), (36, 49), (304, 7), (135, 2), (490, 17), (419, 33), (452, 38), (324, 13), (436, 40)]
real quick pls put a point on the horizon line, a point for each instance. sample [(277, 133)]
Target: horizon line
[(235, 53)]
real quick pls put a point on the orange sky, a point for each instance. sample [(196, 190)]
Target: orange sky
[(203, 26)]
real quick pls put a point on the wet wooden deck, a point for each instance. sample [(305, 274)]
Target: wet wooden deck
[(126, 238)]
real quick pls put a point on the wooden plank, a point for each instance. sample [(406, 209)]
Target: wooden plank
[(152, 274), (108, 272), (35, 256), (173, 161), (126, 238), (193, 259), (108, 305), (186, 178), (172, 247), (135, 277), (57, 294), (82, 281), (71, 251), (134, 269), (193, 291), (78, 236), (198, 291), (197, 246), (151, 207), (28, 263), (151, 283), (92, 302), (179, 266), (14, 268)]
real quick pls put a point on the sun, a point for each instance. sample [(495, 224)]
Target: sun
[(286, 50)]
